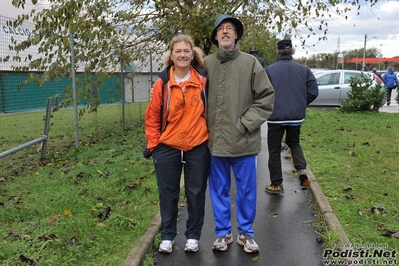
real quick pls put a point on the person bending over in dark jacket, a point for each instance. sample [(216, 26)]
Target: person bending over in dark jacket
[(295, 87)]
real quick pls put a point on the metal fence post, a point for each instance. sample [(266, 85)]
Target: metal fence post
[(46, 128), (75, 100)]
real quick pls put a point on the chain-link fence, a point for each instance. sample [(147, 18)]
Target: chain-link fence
[(22, 108)]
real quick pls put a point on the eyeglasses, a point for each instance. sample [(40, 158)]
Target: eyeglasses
[(227, 28)]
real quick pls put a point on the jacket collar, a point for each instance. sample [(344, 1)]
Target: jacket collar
[(285, 57), (164, 75), (225, 56)]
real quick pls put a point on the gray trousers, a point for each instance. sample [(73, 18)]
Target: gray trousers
[(169, 164)]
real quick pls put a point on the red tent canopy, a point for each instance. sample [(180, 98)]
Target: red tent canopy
[(372, 60)]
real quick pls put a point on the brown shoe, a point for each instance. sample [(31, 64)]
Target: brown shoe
[(275, 189)]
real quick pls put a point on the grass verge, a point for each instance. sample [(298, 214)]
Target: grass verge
[(354, 159), (57, 214), (86, 206)]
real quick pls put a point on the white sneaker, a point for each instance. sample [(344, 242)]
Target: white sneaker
[(166, 246), (191, 245), (222, 242), (248, 243)]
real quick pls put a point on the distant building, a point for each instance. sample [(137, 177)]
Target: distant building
[(138, 76)]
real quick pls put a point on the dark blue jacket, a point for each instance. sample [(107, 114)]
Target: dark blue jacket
[(295, 87)]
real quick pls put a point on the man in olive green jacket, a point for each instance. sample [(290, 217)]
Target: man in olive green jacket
[(240, 100)]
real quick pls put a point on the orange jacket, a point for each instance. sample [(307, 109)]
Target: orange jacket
[(184, 123)]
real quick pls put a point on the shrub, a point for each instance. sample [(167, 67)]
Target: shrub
[(365, 95)]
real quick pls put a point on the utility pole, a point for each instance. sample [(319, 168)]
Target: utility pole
[(364, 52), (338, 53)]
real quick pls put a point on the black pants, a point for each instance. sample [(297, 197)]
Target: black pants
[(169, 163), (275, 134), (389, 93)]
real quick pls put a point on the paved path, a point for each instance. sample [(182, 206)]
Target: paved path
[(393, 107), (283, 227)]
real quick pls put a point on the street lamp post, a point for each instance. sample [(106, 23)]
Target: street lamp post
[(356, 58), (379, 63), (364, 51)]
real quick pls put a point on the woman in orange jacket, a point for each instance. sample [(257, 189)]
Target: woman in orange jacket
[(177, 134)]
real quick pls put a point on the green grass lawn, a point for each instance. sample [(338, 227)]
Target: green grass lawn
[(86, 206), (89, 206), (354, 157)]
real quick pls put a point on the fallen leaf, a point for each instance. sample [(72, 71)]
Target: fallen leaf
[(122, 203), (379, 210), (392, 233), (348, 196), (48, 237), (360, 212), (80, 175), (182, 203), (134, 184), (27, 260), (54, 219), (14, 234), (105, 214), (67, 212), (71, 242), (133, 222), (101, 173)]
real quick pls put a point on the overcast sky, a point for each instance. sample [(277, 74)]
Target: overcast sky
[(380, 23)]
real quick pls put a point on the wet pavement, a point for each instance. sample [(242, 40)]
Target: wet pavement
[(283, 227)]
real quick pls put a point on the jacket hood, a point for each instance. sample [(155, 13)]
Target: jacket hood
[(239, 27)]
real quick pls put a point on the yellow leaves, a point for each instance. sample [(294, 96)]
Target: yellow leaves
[(67, 212)]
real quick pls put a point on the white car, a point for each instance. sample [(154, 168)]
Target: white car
[(334, 86), (318, 70)]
